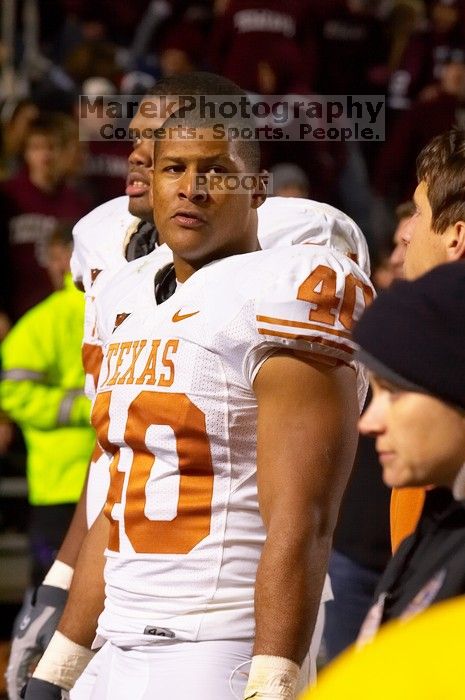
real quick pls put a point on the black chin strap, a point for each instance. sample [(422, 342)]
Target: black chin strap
[(142, 242), (165, 283)]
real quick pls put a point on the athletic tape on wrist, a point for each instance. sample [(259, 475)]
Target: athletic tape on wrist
[(63, 662), (59, 575), (273, 677)]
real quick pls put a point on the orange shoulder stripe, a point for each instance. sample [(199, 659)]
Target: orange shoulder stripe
[(302, 324)]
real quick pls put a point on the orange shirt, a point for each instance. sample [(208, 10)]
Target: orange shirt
[(406, 507)]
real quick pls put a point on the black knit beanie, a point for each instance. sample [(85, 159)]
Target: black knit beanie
[(414, 334)]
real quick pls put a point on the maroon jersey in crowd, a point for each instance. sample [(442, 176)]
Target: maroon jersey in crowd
[(395, 174), (349, 43), (254, 31), (105, 170), (29, 215), (422, 62)]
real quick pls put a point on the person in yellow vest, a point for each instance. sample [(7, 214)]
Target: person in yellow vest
[(41, 389)]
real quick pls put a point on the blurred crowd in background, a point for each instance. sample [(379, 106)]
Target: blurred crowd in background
[(411, 51)]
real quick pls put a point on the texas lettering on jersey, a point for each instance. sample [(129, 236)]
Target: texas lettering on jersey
[(121, 359)]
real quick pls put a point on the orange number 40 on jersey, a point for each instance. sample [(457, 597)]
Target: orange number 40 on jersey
[(192, 521)]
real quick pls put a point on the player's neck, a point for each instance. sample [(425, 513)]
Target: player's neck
[(186, 268)]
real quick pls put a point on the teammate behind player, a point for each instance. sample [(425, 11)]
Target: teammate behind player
[(247, 383)]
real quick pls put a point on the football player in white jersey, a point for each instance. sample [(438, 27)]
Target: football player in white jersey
[(229, 411), (103, 240)]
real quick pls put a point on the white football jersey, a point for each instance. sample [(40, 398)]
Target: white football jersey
[(286, 221), (101, 236), (98, 253), (282, 221), (175, 409), (100, 239)]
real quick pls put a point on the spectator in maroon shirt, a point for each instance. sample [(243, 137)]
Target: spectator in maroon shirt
[(181, 49), (104, 170), (395, 177), (32, 204), (426, 52), (350, 41), (250, 32)]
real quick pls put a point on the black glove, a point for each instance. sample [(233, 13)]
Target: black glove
[(36, 689)]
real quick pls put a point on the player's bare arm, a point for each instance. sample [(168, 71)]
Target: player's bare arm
[(69, 650), (81, 629), (69, 550), (307, 437)]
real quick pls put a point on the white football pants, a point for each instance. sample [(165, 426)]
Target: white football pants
[(173, 670)]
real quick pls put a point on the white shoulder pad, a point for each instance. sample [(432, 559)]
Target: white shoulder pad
[(310, 304), (286, 221), (127, 290), (99, 240)]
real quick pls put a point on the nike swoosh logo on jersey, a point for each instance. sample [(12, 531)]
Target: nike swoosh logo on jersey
[(181, 317)]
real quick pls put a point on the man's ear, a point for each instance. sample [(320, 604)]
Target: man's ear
[(456, 242), (261, 190)]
